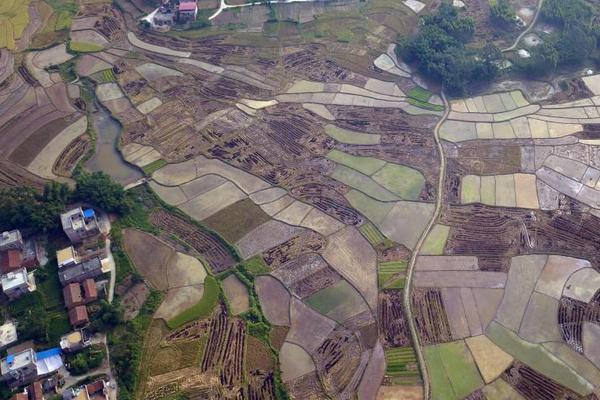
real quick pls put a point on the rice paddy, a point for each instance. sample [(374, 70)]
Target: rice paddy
[(14, 17), (401, 362), (372, 234), (386, 270)]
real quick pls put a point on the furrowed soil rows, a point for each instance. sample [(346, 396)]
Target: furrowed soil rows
[(393, 326), (71, 155), (293, 248), (430, 316), (211, 249), (571, 316), (336, 360), (534, 386)]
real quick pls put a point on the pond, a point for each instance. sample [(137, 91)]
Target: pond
[(107, 157)]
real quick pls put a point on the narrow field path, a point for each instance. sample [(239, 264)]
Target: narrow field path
[(529, 28), (417, 249)]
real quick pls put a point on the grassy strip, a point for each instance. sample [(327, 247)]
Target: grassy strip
[(65, 11), (425, 105), (372, 234), (84, 47), (388, 269), (153, 166), (401, 362), (201, 309), (420, 94)]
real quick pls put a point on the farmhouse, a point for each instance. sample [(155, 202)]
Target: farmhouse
[(17, 283), (8, 334), (19, 369), (80, 224), (99, 390), (89, 269), (77, 294), (187, 10), (78, 316), (32, 392), (16, 252), (74, 341)]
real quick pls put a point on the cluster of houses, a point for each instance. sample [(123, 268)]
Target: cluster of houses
[(78, 267), (172, 12)]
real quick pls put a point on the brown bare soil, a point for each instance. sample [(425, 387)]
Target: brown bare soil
[(486, 158), (235, 221), (277, 336), (12, 175), (210, 248), (261, 386), (258, 356), (571, 316), (307, 387), (293, 275)]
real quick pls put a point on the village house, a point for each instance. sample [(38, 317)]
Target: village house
[(89, 269), (75, 341), (8, 334), (19, 369), (78, 317), (99, 390), (80, 224), (187, 10), (16, 253), (17, 283), (31, 392)]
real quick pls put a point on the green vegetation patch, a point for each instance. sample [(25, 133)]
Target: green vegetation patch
[(366, 165), (401, 362), (339, 301), (84, 47), (372, 234), (201, 309), (373, 209), (256, 265), (388, 269), (65, 10), (351, 137), (538, 358), (362, 183), (436, 241), (425, 105), (452, 370), (420, 94), (235, 221), (149, 169), (404, 181), (14, 17)]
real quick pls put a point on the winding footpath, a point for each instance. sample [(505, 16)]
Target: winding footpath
[(417, 249), (529, 28)]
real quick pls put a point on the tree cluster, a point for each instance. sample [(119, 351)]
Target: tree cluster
[(439, 50), (26, 208), (502, 14), (575, 40), (86, 360)]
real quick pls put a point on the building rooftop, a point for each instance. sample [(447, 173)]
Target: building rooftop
[(10, 260), (8, 334), (14, 362), (9, 237), (71, 339), (66, 257), (71, 272), (72, 295), (78, 315), (90, 292), (187, 5), (79, 219), (14, 279), (35, 391)]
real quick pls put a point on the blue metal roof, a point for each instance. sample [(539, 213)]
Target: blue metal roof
[(88, 213), (10, 359), (55, 351)]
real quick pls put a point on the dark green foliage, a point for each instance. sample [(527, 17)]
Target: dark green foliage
[(106, 316), (502, 14), (99, 189), (31, 317), (125, 344), (24, 208), (571, 45), (86, 360), (440, 52)]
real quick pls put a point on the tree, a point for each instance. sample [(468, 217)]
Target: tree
[(440, 52), (502, 14), (106, 317), (24, 207), (99, 189)]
